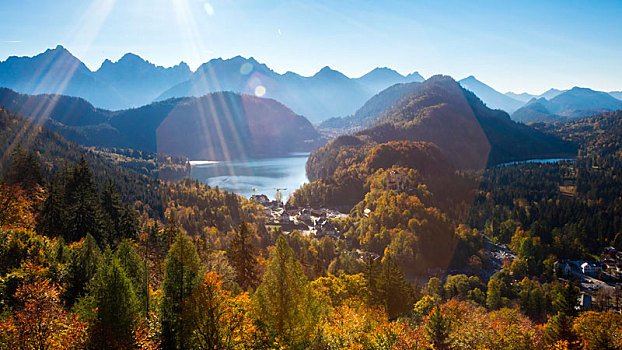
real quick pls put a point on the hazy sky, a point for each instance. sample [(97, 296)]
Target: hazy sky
[(511, 45)]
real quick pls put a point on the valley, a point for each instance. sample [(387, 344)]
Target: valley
[(234, 207)]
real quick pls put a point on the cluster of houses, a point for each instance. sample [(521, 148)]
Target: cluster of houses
[(610, 267), (305, 220)]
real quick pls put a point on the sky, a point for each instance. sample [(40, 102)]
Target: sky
[(520, 46)]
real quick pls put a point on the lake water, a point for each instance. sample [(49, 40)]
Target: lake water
[(264, 175), (551, 160)]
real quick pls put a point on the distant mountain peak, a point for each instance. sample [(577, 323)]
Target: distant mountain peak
[(383, 72), (328, 72), (59, 51), (131, 58)]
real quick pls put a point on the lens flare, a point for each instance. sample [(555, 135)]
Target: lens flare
[(246, 68), (209, 9), (260, 90)]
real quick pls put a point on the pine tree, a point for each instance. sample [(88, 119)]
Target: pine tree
[(25, 170), (134, 267), (242, 257), (82, 267), (119, 219), (116, 306), (395, 290), (85, 213), (437, 329), (54, 217), (566, 299), (372, 276), (283, 299), (181, 276)]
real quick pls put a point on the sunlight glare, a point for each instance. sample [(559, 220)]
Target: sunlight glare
[(209, 9), (260, 90)]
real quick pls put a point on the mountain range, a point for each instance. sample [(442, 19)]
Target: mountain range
[(574, 103), (328, 93), (525, 97), (132, 82), (216, 126)]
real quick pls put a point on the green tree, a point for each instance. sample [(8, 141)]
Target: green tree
[(85, 213), (242, 257), (24, 170), (53, 220), (181, 276), (115, 304), (396, 292), (494, 299), (119, 219), (83, 263), (135, 269), (437, 329), (566, 299), (284, 301), (371, 272)]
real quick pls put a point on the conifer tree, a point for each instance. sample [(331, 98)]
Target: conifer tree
[(566, 299), (115, 305), (395, 290), (242, 257), (284, 301), (437, 329), (53, 219), (25, 170), (181, 276), (85, 213), (82, 267), (134, 267), (119, 219), (372, 272)]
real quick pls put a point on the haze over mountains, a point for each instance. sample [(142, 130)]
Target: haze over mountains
[(133, 82), (490, 96), (574, 103)]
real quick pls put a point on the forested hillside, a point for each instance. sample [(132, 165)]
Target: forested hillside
[(217, 126), (84, 264)]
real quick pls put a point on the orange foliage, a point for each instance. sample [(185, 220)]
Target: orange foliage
[(16, 208), (41, 322)]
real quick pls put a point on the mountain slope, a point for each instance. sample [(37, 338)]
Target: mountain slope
[(373, 110), (440, 111), (490, 96), (216, 126), (616, 94)]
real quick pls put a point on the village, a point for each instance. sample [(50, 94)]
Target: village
[(307, 220), (600, 282)]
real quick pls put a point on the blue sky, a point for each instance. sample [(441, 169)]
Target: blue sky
[(511, 45)]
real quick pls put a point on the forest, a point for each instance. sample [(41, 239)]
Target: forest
[(99, 254)]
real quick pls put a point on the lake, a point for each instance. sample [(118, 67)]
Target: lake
[(550, 160), (265, 175)]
